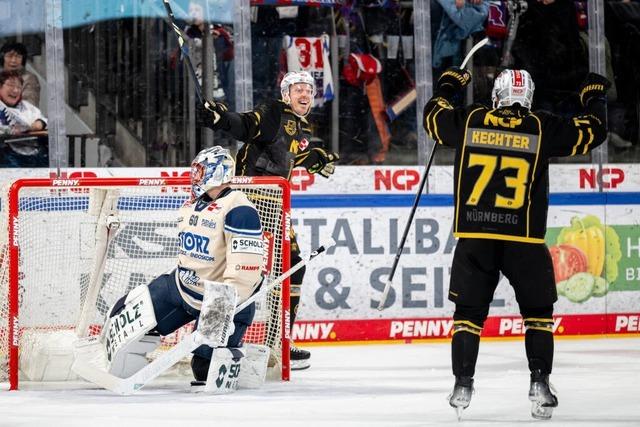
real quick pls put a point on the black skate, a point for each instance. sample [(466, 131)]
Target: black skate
[(198, 386), (299, 358), (542, 396), (460, 397)]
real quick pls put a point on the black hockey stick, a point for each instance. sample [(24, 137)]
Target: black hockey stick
[(423, 181), (184, 49), (284, 276)]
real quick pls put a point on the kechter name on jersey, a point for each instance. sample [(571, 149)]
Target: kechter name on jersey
[(498, 138)]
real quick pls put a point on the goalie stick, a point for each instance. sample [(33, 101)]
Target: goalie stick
[(423, 181), (83, 366)]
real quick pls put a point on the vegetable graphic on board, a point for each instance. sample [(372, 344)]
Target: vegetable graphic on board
[(585, 259), (567, 261), (590, 240)]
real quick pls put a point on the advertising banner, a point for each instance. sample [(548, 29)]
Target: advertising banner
[(593, 236), (596, 267)]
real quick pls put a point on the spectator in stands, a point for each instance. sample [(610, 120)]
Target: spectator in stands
[(13, 57), (622, 27), (20, 118), (460, 19), (548, 45)]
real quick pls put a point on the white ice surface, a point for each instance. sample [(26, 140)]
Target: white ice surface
[(598, 384)]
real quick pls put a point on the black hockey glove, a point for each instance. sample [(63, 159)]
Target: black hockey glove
[(594, 86), (319, 161), (453, 80), (212, 114)]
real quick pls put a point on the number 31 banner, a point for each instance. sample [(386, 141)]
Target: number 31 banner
[(312, 54)]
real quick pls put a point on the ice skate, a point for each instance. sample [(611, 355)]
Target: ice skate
[(542, 396), (299, 358), (460, 397)]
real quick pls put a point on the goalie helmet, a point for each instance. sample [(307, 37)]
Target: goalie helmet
[(211, 168), (294, 77), (513, 87)]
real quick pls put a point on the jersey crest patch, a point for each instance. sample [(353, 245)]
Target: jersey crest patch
[(290, 127), (303, 144)]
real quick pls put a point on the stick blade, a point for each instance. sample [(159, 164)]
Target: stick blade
[(473, 50), (385, 295)]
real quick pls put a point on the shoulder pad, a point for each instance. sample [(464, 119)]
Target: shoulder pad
[(243, 220)]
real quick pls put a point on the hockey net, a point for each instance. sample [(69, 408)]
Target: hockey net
[(70, 248)]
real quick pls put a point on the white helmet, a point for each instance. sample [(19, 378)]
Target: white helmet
[(293, 77), (211, 168), (513, 87)]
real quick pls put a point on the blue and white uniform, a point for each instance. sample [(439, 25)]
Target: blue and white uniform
[(220, 240)]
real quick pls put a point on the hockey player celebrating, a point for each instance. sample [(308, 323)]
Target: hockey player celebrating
[(277, 136), (501, 202), (218, 267)]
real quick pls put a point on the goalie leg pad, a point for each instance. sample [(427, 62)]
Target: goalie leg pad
[(224, 370), (133, 357), (254, 366), (215, 323), (124, 333)]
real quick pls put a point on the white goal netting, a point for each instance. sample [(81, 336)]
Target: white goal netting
[(71, 248)]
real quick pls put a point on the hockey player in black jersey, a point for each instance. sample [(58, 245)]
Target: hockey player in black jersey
[(277, 139), (501, 184)]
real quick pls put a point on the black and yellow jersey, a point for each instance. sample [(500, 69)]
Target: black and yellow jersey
[(501, 181), (276, 139)]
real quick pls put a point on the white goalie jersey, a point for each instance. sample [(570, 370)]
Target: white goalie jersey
[(220, 240)]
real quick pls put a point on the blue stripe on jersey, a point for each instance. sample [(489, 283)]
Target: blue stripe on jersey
[(243, 220), (192, 294)]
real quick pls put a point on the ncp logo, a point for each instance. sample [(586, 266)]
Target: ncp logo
[(607, 177), (301, 180), (398, 179)]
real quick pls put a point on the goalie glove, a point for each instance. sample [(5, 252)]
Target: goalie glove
[(594, 86), (453, 80), (212, 114), (318, 160)]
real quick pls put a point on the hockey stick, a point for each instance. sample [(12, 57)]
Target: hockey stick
[(184, 49), (473, 50), (90, 349), (423, 181), (284, 276)]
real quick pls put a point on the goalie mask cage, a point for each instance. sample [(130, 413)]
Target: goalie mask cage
[(69, 248)]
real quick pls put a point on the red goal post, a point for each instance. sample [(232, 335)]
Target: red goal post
[(69, 247)]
